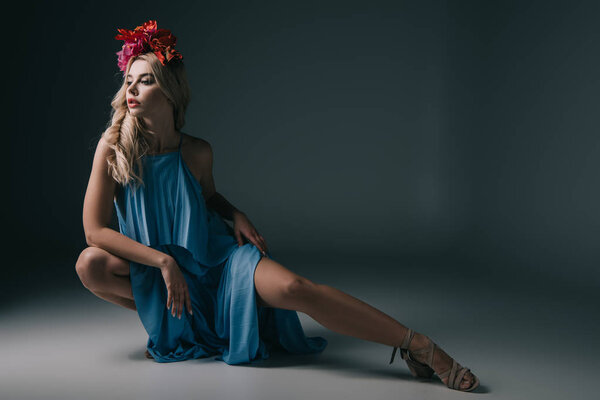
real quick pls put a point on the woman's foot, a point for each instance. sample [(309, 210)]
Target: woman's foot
[(442, 362), (148, 355)]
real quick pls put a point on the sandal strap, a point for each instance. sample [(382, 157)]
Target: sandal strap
[(393, 354), (404, 346), (456, 372), (452, 374), (404, 354), (433, 346), (448, 371), (455, 379), (430, 350), (407, 339), (459, 378)]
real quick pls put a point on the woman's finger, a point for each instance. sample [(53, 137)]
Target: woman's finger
[(260, 240), (257, 238), (257, 243), (264, 241), (172, 306), (181, 302), (169, 298), (176, 302), (238, 236)]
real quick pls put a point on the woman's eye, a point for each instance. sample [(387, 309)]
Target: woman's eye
[(145, 82)]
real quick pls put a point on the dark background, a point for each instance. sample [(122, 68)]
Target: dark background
[(457, 135)]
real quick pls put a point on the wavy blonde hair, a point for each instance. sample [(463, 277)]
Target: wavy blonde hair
[(126, 134)]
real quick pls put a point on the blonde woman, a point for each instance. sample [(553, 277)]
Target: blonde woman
[(198, 289)]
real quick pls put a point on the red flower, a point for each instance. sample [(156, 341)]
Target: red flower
[(147, 38)]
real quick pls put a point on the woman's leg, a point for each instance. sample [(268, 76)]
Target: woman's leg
[(281, 288), (106, 275)]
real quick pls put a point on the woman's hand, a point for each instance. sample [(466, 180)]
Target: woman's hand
[(177, 288), (243, 226)]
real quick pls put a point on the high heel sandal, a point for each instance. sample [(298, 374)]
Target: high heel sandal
[(418, 369)]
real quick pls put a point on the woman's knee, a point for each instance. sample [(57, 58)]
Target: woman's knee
[(279, 287), (298, 288), (90, 266), (95, 265)]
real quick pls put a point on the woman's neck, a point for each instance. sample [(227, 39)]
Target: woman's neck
[(164, 143), (163, 133)]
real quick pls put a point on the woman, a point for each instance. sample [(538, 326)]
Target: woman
[(175, 254)]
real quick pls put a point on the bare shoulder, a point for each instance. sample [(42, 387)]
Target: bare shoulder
[(197, 150), (196, 144), (103, 151), (197, 154), (102, 148)]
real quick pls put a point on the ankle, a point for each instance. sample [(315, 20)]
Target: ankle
[(418, 341)]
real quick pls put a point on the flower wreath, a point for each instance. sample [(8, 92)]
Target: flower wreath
[(144, 39)]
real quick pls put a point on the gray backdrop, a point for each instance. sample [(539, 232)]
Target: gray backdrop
[(461, 134)]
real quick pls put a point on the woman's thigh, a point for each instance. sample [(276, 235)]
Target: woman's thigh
[(279, 287), (116, 265)]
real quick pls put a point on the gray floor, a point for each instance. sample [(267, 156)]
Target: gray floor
[(525, 338)]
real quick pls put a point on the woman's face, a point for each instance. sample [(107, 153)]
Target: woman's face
[(144, 97)]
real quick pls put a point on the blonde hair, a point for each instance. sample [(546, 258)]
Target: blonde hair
[(126, 134)]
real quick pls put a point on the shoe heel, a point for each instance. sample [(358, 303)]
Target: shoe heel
[(419, 370)]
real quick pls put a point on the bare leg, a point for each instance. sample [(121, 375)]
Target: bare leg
[(278, 287), (120, 301), (281, 288), (106, 275)]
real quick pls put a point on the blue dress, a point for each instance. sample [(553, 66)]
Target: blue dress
[(169, 214)]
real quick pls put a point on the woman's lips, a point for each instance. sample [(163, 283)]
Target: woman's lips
[(133, 104)]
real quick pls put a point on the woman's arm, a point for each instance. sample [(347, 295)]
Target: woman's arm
[(223, 207), (201, 163), (202, 169), (97, 213)]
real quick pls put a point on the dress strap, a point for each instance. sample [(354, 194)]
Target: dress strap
[(180, 140)]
